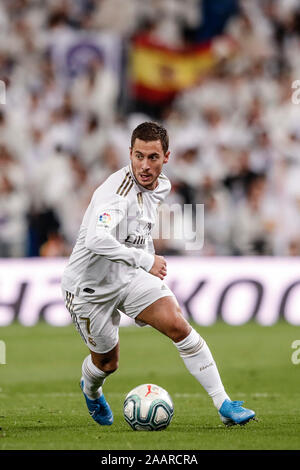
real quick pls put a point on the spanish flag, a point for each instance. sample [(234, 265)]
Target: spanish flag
[(157, 73)]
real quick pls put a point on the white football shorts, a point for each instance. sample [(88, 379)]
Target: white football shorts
[(98, 321)]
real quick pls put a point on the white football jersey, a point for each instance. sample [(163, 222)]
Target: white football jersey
[(114, 239)]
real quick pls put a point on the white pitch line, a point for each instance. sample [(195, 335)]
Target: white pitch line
[(118, 394)]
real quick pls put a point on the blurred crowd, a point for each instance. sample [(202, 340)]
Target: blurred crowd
[(235, 136)]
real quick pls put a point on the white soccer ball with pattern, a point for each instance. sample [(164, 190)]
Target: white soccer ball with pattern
[(148, 407)]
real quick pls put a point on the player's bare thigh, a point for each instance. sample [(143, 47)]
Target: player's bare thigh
[(165, 316)]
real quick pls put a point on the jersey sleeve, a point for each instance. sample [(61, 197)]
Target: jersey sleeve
[(107, 212), (150, 245)]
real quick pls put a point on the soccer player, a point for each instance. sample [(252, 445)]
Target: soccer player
[(113, 267)]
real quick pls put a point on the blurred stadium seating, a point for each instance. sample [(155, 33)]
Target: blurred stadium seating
[(79, 76)]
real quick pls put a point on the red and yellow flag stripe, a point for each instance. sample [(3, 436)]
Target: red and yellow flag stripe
[(157, 71)]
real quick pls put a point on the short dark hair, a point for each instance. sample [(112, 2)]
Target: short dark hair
[(149, 131)]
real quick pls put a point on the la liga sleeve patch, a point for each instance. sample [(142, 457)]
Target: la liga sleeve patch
[(104, 220)]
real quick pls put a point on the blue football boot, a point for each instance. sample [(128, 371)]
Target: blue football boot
[(99, 409), (232, 413)]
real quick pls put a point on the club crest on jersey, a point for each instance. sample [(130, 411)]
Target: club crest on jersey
[(105, 219)]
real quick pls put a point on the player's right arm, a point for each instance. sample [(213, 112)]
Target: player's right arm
[(106, 212), (159, 267)]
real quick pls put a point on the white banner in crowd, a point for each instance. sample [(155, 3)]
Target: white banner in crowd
[(235, 290), (72, 52)]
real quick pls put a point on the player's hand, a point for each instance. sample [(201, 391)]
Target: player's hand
[(159, 268)]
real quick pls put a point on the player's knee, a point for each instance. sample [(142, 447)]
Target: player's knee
[(179, 329), (107, 365), (111, 367)]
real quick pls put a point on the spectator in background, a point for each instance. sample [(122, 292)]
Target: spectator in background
[(13, 226), (241, 175), (218, 213), (186, 173), (93, 142), (55, 246), (255, 221), (61, 134), (96, 91)]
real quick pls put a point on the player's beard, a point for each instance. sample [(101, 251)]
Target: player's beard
[(149, 183)]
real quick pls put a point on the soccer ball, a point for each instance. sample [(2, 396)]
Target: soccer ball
[(148, 407)]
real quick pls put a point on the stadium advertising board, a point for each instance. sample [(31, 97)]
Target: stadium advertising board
[(235, 290)]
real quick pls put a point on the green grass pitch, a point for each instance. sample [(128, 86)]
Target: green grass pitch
[(41, 405)]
